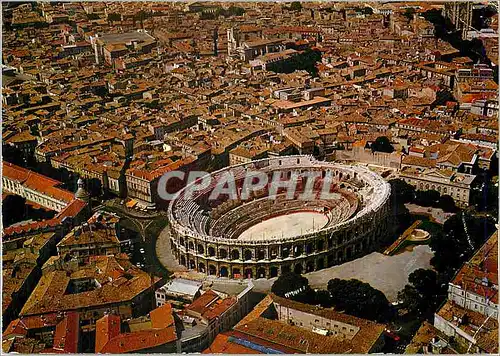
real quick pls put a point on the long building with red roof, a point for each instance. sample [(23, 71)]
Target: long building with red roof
[(41, 190)]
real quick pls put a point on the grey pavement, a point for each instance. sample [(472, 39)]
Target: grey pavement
[(389, 274), (164, 252)]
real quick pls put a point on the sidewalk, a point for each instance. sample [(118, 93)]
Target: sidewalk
[(164, 252)]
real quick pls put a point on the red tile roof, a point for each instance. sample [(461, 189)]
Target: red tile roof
[(107, 328), (110, 340), (67, 333), (223, 345), (200, 305), (36, 181), (483, 265)]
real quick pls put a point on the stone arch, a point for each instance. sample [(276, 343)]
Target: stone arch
[(236, 272), (310, 266), (298, 268), (349, 252), (191, 245), (261, 272), (235, 255), (309, 248), (261, 254), (223, 253), (192, 264), (330, 260), (285, 251), (223, 271), (201, 249), (212, 270), (248, 273), (211, 251), (201, 267), (247, 255), (297, 250), (273, 271)]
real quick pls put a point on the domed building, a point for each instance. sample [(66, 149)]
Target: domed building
[(81, 193)]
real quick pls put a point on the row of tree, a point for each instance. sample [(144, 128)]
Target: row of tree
[(406, 193), (352, 296), (303, 61)]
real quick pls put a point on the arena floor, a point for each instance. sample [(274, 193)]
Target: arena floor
[(288, 225)]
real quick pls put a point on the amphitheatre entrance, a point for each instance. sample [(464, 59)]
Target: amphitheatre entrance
[(287, 225)]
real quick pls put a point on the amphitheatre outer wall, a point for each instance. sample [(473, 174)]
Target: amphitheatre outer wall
[(205, 238)]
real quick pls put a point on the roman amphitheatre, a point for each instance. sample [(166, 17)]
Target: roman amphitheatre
[(263, 238)]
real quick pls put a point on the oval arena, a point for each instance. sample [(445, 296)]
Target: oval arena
[(260, 237)]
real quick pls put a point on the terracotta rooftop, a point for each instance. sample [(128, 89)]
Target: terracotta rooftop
[(119, 281), (469, 322), (303, 340), (480, 274), (66, 336), (110, 340), (36, 181)]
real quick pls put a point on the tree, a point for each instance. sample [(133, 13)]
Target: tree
[(234, 11), (409, 12), (293, 286), (425, 281), (427, 197), (322, 297), (411, 299), (296, 6), (423, 293), (447, 203), (462, 234), (382, 144), (303, 61), (13, 209), (112, 17), (402, 191), (93, 16), (359, 299)]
